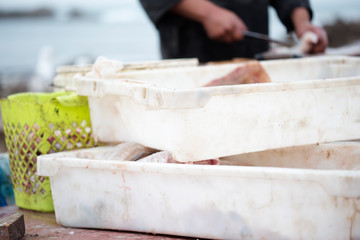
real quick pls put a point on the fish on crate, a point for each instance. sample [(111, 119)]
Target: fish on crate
[(250, 72), (129, 151), (166, 157)]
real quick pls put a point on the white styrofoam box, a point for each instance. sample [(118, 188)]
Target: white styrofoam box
[(311, 100), (306, 192)]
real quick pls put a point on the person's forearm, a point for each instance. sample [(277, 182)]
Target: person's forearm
[(301, 19), (196, 10)]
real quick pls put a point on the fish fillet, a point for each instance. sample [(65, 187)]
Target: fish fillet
[(251, 72)]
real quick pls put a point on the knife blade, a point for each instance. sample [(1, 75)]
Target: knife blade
[(266, 38)]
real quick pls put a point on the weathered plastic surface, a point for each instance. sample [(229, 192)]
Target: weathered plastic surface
[(66, 76), (312, 100), (312, 192)]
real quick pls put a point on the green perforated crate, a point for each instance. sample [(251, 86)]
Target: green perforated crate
[(41, 123)]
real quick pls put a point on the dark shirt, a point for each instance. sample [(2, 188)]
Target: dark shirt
[(183, 38)]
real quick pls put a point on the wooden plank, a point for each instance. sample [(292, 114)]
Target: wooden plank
[(12, 227)]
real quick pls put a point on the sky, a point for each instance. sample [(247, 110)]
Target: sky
[(84, 4)]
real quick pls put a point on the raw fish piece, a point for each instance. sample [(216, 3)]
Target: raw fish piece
[(166, 157), (303, 47), (306, 42), (251, 72), (128, 151)]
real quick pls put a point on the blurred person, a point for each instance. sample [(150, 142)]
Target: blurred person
[(213, 30)]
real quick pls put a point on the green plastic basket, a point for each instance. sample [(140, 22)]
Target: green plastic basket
[(36, 124)]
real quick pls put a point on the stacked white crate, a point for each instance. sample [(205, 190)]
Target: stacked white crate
[(309, 101), (305, 189)]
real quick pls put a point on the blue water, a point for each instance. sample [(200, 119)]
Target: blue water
[(22, 41), (117, 31)]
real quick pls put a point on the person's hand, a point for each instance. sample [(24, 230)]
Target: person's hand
[(302, 24), (224, 25), (220, 24), (321, 44)]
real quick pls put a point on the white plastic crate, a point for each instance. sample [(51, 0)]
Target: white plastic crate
[(66, 76), (311, 100), (308, 192)]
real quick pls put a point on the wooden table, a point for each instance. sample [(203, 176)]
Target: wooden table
[(43, 226)]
